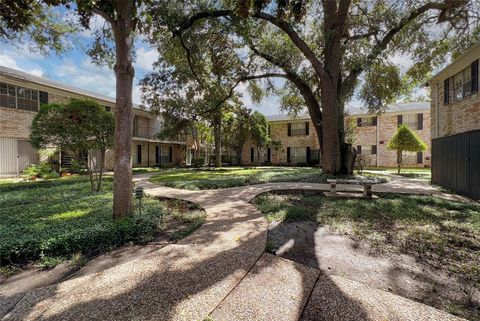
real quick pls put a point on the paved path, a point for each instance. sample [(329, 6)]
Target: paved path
[(222, 270)]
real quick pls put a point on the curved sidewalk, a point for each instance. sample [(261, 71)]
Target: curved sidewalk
[(199, 275)]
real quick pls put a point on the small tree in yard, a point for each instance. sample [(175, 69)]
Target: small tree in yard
[(405, 140), (259, 132), (79, 126)]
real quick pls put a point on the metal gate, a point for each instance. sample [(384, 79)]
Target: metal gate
[(456, 163)]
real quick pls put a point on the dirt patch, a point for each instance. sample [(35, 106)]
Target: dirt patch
[(333, 253)]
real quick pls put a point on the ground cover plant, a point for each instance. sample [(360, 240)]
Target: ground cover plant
[(51, 221), (440, 235), (212, 178)]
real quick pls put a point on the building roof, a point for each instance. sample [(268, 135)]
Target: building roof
[(395, 108), (452, 65), (14, 73), (272, 118)]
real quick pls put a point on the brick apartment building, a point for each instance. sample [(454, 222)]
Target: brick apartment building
[(373, 132), (294, 141), (455, 125), (20, 97)]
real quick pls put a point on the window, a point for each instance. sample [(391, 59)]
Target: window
[(16, 97), (298, 155), (411, 120), (139, 154), (298, 129), (366, 121), (165, 154), (414, 121), (462, 84), (367, 149)]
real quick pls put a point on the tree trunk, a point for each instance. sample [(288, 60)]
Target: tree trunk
[(100, 174), (399, 161), (124, 72), (331, 157), (217, 133)]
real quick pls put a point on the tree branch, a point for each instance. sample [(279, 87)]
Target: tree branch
[(281, 24), (189, 60), (102, 14), (383, 43)]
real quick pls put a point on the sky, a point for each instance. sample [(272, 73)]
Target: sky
[(75, 68)]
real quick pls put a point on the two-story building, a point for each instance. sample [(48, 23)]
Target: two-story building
[(372, 133), (294, 141), (455, 125), (21, 95)]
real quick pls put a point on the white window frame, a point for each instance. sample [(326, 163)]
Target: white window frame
[(462, 86)]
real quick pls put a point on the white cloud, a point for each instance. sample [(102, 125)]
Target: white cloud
[(36, 72), (7, 60), (86, 76), (145, 58)]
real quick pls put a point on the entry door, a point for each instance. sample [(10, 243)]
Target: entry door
[(139, 154), (8, 156)]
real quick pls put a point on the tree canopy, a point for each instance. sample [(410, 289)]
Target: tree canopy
[(405, 140), (332, 51), (79, 126)]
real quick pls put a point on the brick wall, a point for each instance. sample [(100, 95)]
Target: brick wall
[(16, 123), (387, 126), (456, 117), (366, 135), (279, 133)]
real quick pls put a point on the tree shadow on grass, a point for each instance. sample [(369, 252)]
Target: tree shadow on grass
[(185, 281)]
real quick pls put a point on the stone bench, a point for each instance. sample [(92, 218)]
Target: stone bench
[(367, 185)]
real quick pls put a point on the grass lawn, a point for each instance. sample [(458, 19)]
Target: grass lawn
[(212, 178), (50, 221), (418, 172), (141, 170)]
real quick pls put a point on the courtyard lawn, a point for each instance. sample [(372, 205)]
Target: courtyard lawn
[(50, 221), (417, 172), (442, 235), (213, 178)]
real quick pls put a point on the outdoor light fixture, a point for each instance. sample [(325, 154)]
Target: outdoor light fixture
[(139, 195)]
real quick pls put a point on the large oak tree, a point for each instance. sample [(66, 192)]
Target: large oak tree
[(327, 49)]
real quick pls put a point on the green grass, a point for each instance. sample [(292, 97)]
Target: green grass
[(213, 178), (51, 221), (410, 172), (438, 232), (141, 170)]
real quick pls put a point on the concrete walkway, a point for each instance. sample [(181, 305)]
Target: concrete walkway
[(221, 270)]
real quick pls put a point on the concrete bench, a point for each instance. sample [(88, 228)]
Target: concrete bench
[(367, 185)]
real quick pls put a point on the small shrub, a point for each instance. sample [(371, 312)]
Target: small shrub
[(198, 161), (42, 170), (76, 167)]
